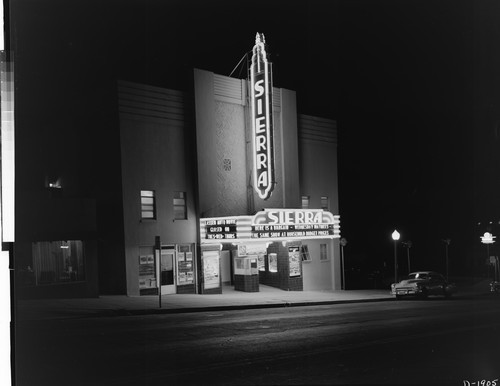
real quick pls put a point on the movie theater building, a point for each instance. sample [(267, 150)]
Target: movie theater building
[(229, 185)]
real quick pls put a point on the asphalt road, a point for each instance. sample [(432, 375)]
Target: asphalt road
[(395, 342)]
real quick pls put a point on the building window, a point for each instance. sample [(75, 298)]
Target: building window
[(57, 262), (325, 204), (304, 252), (148, 204), (180, 207), (323, 252), (305, 202)]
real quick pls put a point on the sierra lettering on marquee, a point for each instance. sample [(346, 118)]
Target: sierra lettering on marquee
[(262, 116), (293, 216)]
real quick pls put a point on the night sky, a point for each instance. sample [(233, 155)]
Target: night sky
[(414, 87)]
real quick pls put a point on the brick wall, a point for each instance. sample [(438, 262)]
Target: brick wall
[(281, 279), (246, 283)]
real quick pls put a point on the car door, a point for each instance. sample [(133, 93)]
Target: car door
[(436, 283)]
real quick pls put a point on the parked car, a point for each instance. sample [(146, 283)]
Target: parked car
[(423, 284), (495, 286)]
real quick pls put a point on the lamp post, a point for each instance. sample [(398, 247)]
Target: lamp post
[(487, 239), (395, 237), (446, 244), (407, 245), (343, 243)]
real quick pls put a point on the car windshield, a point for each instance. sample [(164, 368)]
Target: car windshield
[(418, 276)]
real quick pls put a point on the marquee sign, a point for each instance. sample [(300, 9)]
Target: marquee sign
[(262, 119), (271, 225)]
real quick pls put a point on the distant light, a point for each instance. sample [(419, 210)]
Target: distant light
[(64, 246), (395, 235)]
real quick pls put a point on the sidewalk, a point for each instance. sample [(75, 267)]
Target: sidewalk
[(267, 297)]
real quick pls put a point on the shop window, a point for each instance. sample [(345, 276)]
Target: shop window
[(148, 204), (180, 207), (305, 202), (304, 251), (185, 264), (147, 271), (323, 252), (273, 262), (58, 262), (261, 263), (325, 203)]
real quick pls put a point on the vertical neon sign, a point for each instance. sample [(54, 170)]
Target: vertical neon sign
[(262, 117)]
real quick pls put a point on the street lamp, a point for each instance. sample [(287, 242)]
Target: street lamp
[(343, 243), (487, 239), (447, 244), (395, 237), (407, 245)]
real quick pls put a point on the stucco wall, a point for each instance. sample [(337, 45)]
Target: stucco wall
[(223, 133), (154, 157), (318, 177), (317, 273)]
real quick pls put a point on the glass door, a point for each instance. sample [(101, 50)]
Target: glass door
[(167, 270)]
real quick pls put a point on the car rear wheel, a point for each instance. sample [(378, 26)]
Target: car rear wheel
[(398, 297), (424, 294)]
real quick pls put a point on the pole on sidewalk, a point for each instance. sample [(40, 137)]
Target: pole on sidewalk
[(343, 243), (158, 269), (497, 269)]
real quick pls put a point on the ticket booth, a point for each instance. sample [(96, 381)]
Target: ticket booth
[(246, 274)]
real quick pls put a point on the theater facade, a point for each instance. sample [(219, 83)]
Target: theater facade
[(227, 186), (222, 185)]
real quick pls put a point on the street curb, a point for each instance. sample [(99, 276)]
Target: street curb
[(159, 311), (120, 312)]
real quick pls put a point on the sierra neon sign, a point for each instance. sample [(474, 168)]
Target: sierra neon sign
[(262, 119)]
